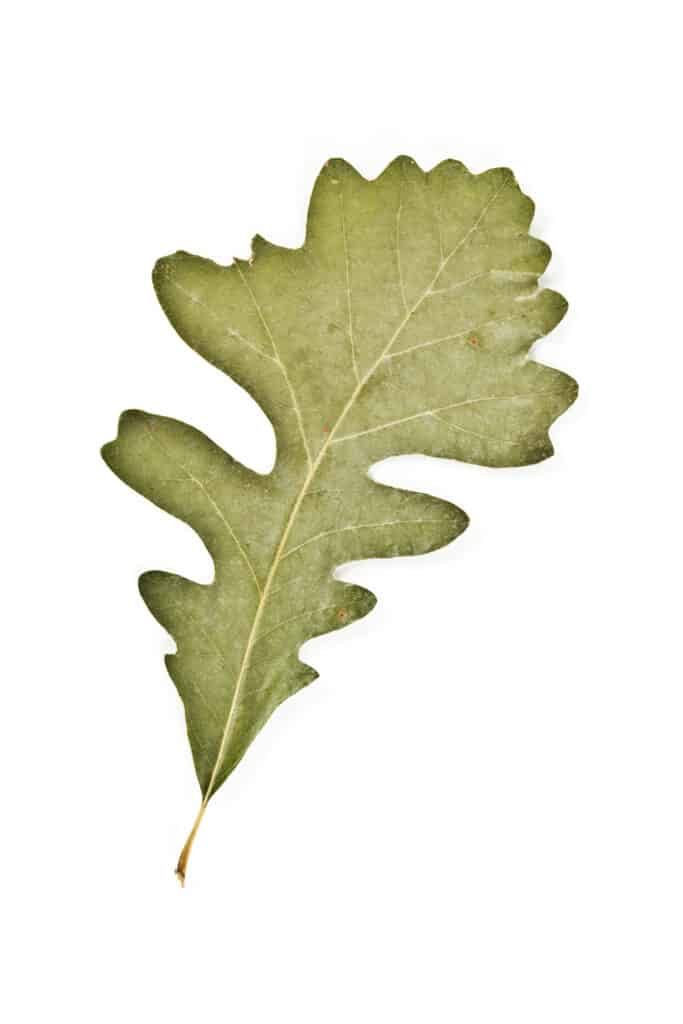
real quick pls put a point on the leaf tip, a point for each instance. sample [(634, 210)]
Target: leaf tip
[(107, 452), (572, 390), (402, 163), (337, 169), (260, 246), (163, 266)]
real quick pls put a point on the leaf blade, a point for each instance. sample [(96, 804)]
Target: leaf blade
[(402, 324)]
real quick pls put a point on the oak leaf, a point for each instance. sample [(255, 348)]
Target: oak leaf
[(402, 324)]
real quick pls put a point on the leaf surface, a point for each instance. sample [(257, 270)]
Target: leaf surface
[(403, 324)]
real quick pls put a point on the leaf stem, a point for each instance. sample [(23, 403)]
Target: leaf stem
[(181, 868)]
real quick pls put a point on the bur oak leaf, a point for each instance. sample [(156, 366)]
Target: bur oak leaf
[(403, 324)]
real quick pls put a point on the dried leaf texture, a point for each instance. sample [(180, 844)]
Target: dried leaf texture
[(403, 324)]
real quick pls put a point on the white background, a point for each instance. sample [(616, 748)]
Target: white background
[(475, 814)]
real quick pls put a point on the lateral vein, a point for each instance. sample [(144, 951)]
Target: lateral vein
[(280, 362), (217, 509)]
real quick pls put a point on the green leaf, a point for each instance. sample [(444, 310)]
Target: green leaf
[(403, 324)]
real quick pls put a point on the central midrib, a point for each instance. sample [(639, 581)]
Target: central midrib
[(310, 476), (277, 558)]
